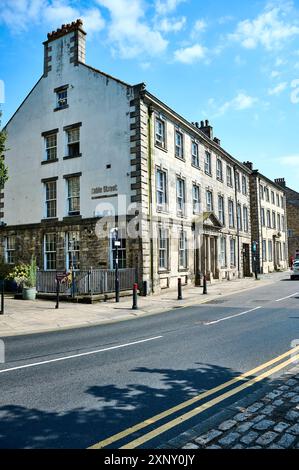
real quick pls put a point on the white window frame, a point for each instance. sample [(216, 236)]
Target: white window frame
[(10, 248), (270, 251), (50, 147), (219, 169), (160, 132), (74, 140), (231, 213), (263, 218), (244, 185), (239, 217), (264, 250), (180, 195), (179, 144), (208, 163), (195, 154), (238, 181), (161, 189), (222, 252), (196, 199), (245, 219), (72, 245), (233, 258), (229, 176), (48, 252), (163, 239), (71, 197), (183, 250), (269, 219), (209, 200), (274, 220), (50, 199), (61, 98), (121, 250), (221, 209)]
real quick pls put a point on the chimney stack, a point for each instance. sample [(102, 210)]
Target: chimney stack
[(281, 182), (64, 46), (206, 129), (249, 165)]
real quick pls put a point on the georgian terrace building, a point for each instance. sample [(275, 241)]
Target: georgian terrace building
[(84, 146), (292, 208), (269, 223)]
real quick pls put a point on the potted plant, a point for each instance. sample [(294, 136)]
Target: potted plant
[(25, 277)]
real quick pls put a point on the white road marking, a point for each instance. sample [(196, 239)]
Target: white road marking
[(288, 297), (89, 353), (232, 316)]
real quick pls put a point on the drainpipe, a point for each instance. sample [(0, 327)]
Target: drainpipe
[(238, 228), (150, 196)]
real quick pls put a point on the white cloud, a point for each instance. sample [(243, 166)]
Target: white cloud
[(241, 102), (200, 25), (164, 7), (275, 74), (172, 25), (271, 29), (291, 160), (19, 15), (128, 32), (278, 89), (189, 55)]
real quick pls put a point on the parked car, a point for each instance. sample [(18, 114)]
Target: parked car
[(295, 273)]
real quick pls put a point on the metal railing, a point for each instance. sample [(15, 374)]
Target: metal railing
[(89, 282)]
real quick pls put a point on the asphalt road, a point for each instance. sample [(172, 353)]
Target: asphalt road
[(75, 388)]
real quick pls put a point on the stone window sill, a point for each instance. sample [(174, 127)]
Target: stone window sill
[(45, 162), (49, 220), (61, 107), (67, 157)]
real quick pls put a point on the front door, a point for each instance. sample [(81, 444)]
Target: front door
[(246, 260)]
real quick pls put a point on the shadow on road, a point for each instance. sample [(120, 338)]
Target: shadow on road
[(117, 409)]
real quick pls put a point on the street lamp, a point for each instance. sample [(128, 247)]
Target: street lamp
[(116, 246)]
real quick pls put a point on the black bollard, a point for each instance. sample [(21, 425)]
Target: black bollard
[(2, 299), (135, 306), (205, 290), (57, 293), (180, 295)]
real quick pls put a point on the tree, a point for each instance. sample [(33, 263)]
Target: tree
[(3, 167)]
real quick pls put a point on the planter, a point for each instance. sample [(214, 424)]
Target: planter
[(29, 293)]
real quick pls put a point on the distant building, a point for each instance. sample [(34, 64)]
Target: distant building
[(268, 223), (292, 198)]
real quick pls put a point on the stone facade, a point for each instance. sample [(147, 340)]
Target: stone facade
[(203, 230), (194, 205), (268, 222), (292, 201)]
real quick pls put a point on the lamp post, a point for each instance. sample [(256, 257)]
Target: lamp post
[(116, 245)]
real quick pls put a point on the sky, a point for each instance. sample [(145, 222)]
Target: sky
[(234, 62)]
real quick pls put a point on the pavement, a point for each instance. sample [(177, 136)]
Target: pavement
[(27, 317), (271, 422)]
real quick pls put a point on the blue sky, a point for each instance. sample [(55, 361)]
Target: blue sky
[(233, 62)]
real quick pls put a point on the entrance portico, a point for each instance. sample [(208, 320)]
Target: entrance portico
[(209, 234)]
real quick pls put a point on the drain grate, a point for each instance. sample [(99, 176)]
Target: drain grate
[(216, 302)]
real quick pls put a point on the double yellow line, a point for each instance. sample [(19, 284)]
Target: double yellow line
[(196, 411)]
